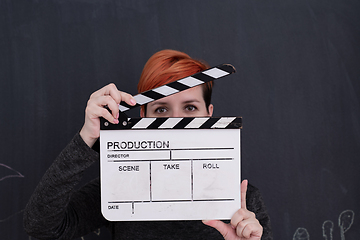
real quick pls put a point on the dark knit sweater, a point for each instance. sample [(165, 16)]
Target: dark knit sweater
[(57, 211)]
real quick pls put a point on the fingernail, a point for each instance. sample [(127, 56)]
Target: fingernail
[(132, 101), (116, 121), (117, 116)]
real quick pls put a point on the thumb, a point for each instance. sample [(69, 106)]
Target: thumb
[(225, 229)]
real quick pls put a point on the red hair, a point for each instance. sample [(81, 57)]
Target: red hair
[(169, 65)]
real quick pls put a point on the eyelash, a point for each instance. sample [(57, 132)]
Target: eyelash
[(159, 109), (195, 108)]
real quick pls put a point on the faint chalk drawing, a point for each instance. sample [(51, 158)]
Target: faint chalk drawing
[(301, 234), (346, 219), (5, 219), (6, 168), (328, 227), (97, 232), (8, 172)]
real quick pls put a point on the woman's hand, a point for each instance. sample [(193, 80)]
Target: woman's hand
[(243, 224), (108, 96)]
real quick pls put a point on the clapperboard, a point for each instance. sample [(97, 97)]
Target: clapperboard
[(171, 168)]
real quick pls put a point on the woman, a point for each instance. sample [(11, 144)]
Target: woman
[(57, 211)]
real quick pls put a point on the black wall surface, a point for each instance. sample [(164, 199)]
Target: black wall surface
[(297, 88)]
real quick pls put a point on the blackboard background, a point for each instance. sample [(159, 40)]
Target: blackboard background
[(297, 89)]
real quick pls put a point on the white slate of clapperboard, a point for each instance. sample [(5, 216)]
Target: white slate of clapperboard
[(197, 177)]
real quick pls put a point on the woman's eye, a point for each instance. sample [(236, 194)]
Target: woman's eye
[(160, 110), (191, 108)]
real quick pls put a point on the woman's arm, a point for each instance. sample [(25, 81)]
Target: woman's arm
[(56, 210)]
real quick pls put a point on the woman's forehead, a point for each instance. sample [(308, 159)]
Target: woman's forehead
[(191, 94)]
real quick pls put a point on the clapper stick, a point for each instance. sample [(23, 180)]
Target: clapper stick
[(146, 97), (208, 75)]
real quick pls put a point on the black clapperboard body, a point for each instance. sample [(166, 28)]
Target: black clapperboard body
[(171, 168)]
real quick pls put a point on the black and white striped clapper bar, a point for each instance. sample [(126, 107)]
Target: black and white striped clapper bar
[(171, 168)]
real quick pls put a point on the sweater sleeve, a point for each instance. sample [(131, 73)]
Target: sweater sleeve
[(255, 204), (55, 210)]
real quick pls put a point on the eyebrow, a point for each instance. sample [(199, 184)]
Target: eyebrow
[(165, 102), (191, 101)]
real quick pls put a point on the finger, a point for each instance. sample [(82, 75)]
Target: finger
[(107, 96), (249, 229), (238, 217), (224, 229), (104, 91), (128, 98), (113, 98), (113, 92), (252, 229), (117, 95), (111, 104), (246, 224), (96, 108), (244, 184), (95, 111)]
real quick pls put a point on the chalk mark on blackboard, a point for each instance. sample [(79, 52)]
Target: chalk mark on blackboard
[(3, 176), (18, 174), (301, 234), (5, 219), (345, 221), (97, 232), (328, 227)]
